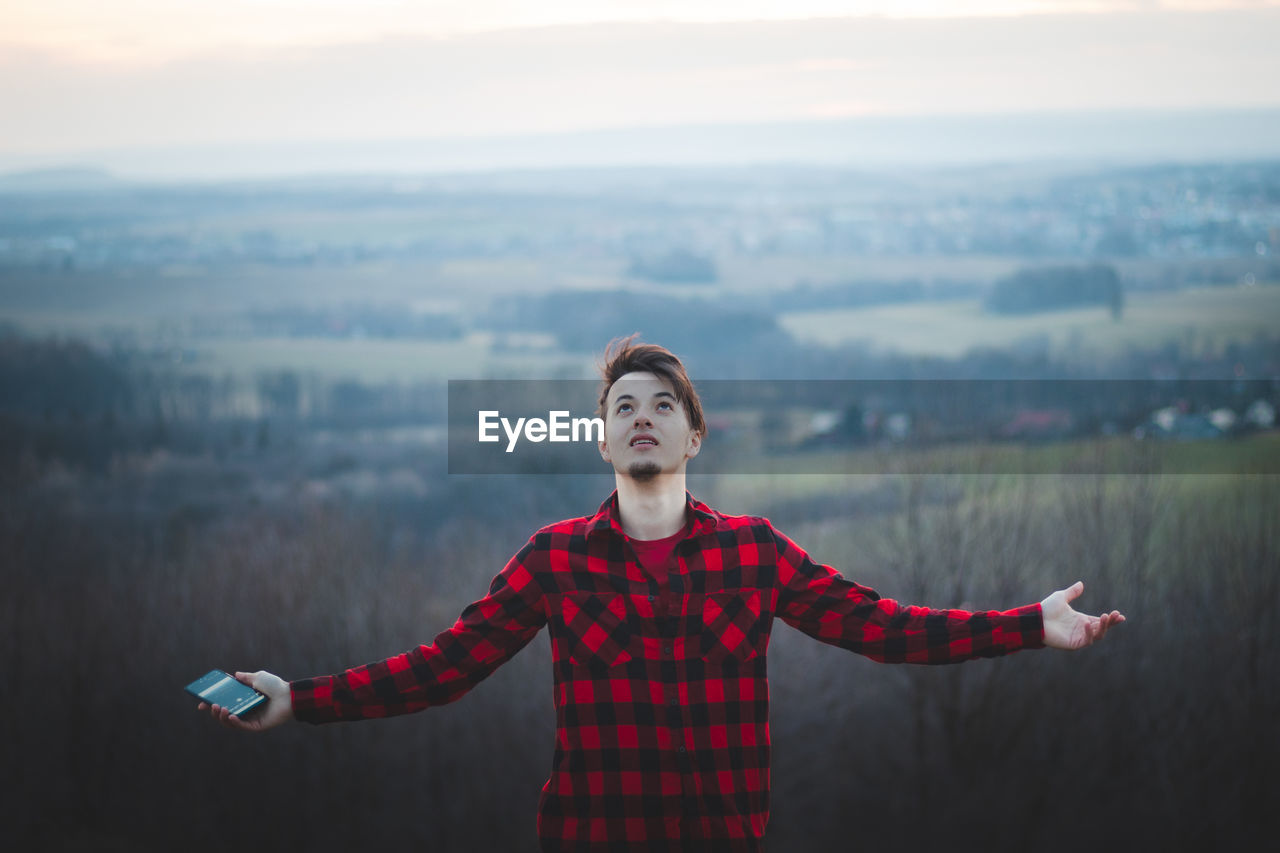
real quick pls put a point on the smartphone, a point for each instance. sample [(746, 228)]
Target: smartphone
[(218, 688)]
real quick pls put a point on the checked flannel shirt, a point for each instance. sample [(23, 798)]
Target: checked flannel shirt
[(662, 703)]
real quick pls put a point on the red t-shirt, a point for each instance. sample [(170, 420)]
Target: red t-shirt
[(657, 555)]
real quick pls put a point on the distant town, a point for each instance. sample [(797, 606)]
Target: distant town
[(667, 224)]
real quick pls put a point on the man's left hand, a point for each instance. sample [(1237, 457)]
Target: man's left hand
[(1065, 628)]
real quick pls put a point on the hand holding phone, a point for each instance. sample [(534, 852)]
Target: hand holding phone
[(218, 688), (228, 698)]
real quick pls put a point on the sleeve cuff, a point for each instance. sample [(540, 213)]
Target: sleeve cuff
[(312, 700), (1022, 627)]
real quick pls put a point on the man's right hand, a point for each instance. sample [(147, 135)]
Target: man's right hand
[(278, 708)]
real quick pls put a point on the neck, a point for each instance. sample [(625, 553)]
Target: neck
[(654, 509)]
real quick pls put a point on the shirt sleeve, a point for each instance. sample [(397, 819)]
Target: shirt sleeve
[(487, 634), (817, 600)]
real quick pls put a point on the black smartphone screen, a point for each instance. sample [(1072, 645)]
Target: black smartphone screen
[(219, 688)]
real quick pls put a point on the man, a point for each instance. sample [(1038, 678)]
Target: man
[(660, 611)]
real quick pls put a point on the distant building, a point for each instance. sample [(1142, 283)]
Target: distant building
[(1038, 425), (1260, 415)]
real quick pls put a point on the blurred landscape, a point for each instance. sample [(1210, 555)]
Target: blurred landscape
[(222, 443)]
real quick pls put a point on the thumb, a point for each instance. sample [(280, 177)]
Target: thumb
[(1073, 592)]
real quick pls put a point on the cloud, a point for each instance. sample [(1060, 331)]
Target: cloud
[(147, 32), (620, 75)]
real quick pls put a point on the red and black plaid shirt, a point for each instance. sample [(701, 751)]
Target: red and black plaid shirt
[(662, 704)]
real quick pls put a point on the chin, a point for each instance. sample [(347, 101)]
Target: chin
[(643, 472)]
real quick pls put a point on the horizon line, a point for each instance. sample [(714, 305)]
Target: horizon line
[(98, 161)]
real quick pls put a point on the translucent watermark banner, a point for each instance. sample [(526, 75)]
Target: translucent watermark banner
[(806, 427)]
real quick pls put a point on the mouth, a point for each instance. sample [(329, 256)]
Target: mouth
[(644, 440)]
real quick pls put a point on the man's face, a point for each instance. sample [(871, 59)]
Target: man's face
[(646, 429)]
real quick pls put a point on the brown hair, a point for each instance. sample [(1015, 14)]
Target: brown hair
[(622, 356)]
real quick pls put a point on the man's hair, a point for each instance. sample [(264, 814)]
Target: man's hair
[(623, 356)]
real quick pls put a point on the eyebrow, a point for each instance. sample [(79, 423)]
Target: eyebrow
[(621, 397)]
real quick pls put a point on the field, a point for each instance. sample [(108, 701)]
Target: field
[(794, 477), (1204, 318), (175, 306), (379, 361)]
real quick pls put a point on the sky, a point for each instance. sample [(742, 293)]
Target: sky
[(78, 78)]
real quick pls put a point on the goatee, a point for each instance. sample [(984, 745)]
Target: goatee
[(643, 472)]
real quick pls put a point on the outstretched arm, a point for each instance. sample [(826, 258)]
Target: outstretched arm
[(488, 633), (1065, 628), (485, 636), (818, 600)]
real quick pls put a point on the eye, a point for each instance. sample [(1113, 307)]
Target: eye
[(665, 405)]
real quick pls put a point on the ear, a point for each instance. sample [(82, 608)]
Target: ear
[(604, 450), (695, 444)]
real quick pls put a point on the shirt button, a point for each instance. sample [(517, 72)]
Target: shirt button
[(673, 702), (682, 750), (651, 597), (666, 650)]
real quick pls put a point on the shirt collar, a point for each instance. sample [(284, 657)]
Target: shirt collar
[(606, 518)]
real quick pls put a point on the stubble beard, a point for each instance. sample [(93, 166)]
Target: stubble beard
[(644, 472)]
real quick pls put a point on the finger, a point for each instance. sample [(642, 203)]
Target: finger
[(1110, 620), (1073, 592), (238, 724)]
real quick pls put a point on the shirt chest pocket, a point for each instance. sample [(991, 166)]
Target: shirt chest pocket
[(731, 625), (597, 634)]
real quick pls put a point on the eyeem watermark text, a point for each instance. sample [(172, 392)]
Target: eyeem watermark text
[(889, 426), (558, 426)]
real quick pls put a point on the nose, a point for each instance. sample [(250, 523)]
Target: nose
[(642, 419)]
